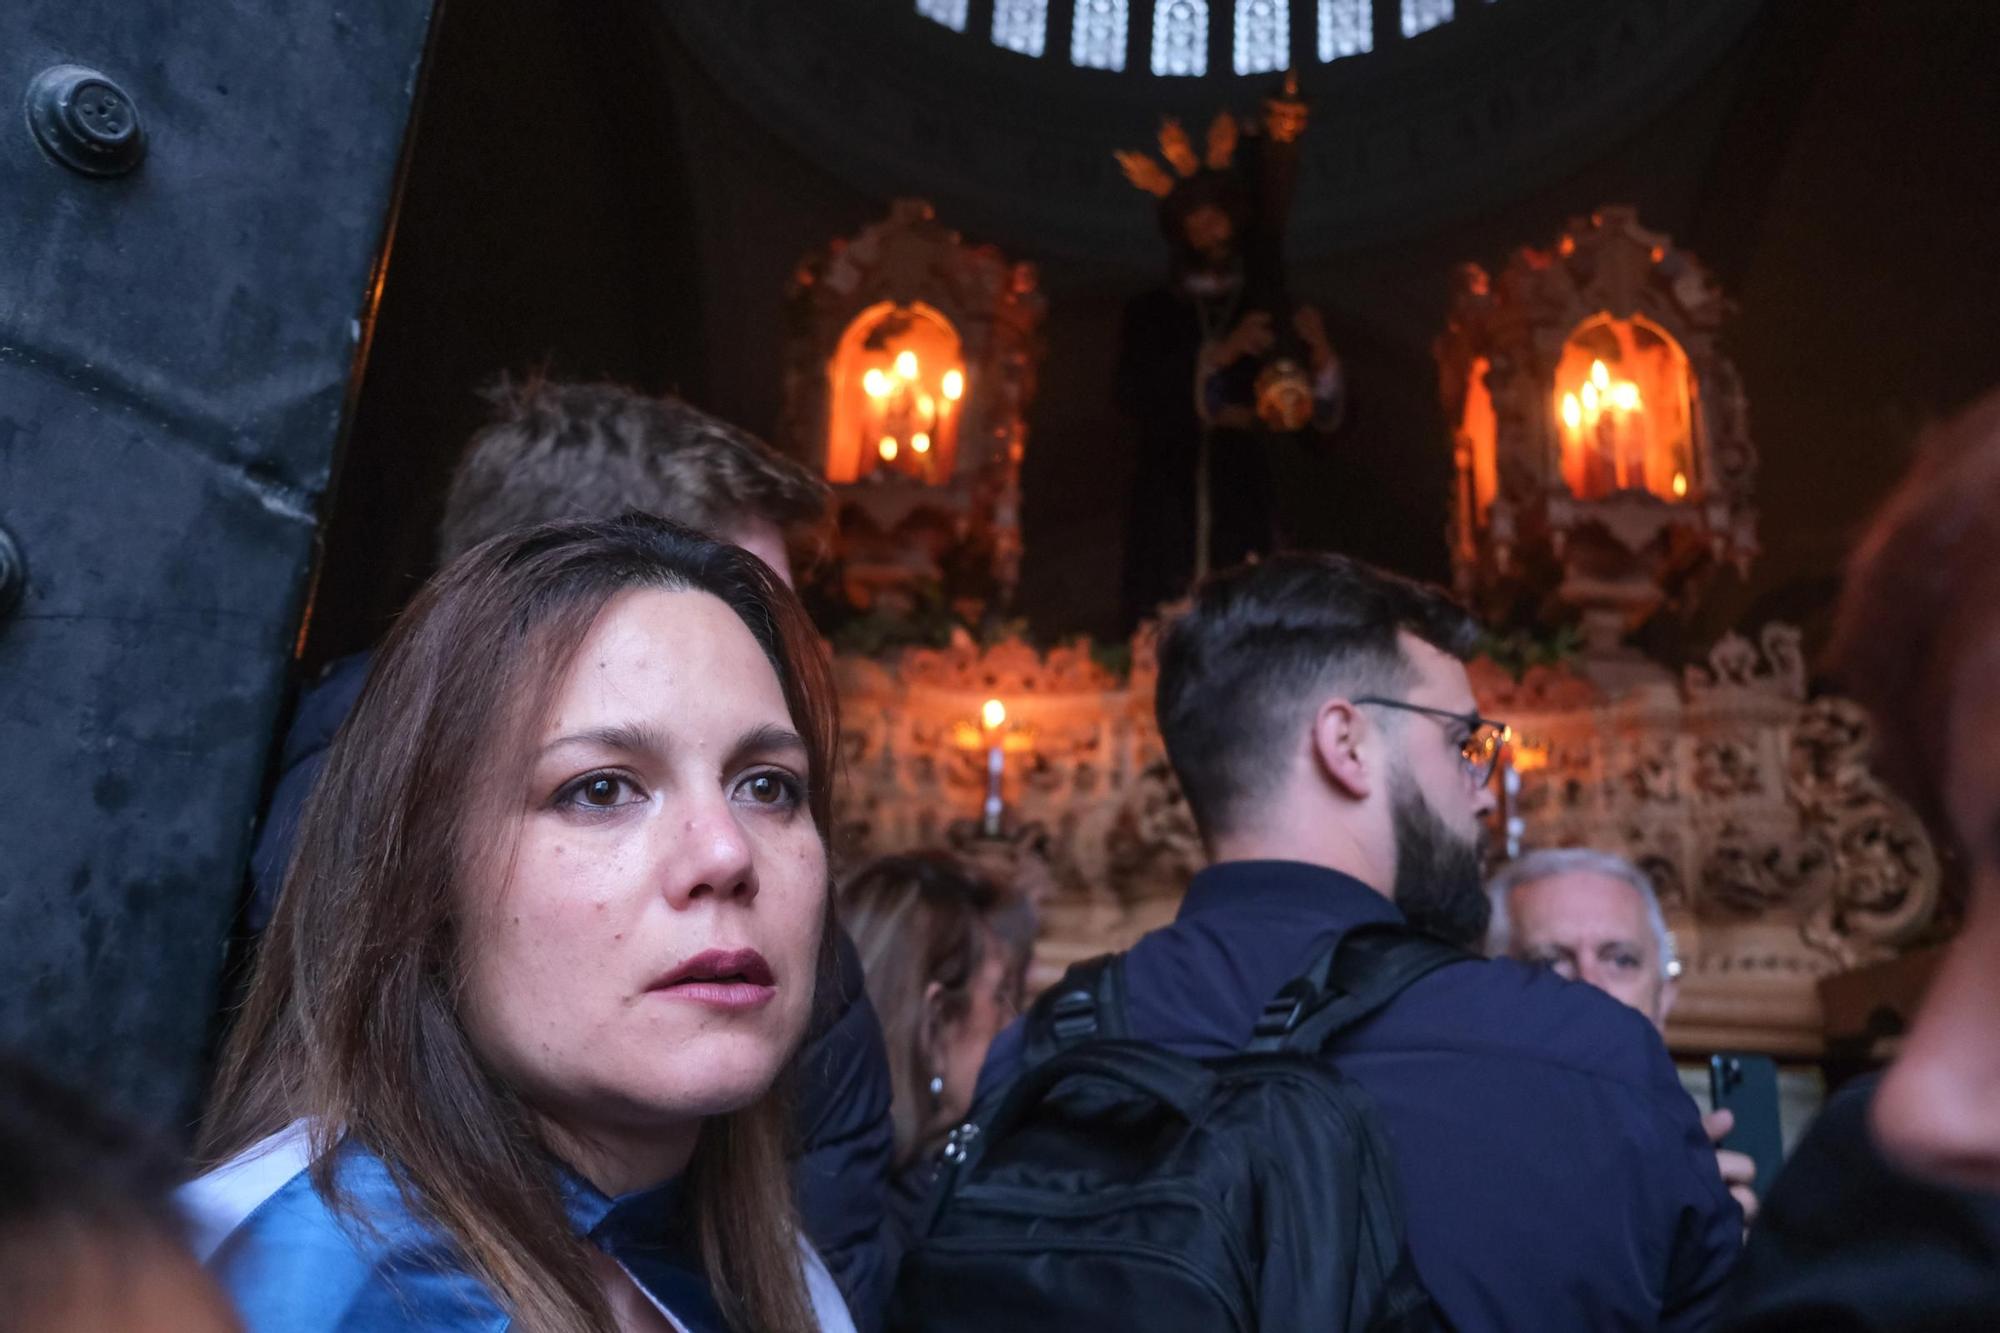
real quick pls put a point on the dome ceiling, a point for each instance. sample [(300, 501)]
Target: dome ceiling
[(1007, 111)]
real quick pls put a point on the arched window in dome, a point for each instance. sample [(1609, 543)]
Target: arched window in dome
[(951, 13), (1097, 39), (1423, 15), (1021, 25), (1346, 28), (1263, 36), (1180, 37)]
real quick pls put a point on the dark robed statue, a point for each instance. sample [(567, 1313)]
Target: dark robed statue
[(1218, 369)]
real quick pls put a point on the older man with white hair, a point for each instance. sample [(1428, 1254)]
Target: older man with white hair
[(1593, 917)]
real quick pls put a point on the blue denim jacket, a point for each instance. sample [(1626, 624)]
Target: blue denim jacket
[(293, 1266)]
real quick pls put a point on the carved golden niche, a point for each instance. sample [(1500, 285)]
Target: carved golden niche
[(909, 366), (1601, 435)]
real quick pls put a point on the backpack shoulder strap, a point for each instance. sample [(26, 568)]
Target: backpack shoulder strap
[(1366, 969), (1088, 1004)]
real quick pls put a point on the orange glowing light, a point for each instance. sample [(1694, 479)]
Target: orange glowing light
[(993, 714), (906, 364), (875, 383), (920, 443), (1624, 405), (887, 448), (953, 385), (1527, 758)]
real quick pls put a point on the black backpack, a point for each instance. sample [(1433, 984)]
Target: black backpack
[(1114, 1185)]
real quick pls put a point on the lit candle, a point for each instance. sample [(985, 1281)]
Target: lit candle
[(993, 716)]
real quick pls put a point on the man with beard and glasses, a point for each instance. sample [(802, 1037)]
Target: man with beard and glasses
[(1318, 716)]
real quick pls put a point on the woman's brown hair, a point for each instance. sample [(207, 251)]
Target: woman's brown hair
[(1919, 596), (916, 919), (351, 1022)]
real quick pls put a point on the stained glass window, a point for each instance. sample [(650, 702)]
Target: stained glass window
[(951, 13), (1180, 37), (1346, 28), (1021, 25), (1263, 35), (1097, 41), (1423, 15)]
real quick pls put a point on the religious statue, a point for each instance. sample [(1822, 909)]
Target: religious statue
[(1218, 369)]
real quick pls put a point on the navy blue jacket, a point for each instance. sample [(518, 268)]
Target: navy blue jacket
[(844, 1135), (1554, 1174)]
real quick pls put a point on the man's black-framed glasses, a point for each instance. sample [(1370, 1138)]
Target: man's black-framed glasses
[(1484, 737)]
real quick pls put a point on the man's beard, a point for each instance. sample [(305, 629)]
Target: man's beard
[(1438, 883)]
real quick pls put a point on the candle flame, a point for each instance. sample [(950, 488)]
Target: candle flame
[(1625, 396), (993, 714), (1680, 484), (954, 384), (1600, 376), (906, 364), (920, 443), (875, 383), (926, 405), (1590, 398), (1572, 412), (887, 448)]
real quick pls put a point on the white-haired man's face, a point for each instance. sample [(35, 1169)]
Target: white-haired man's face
[(1592, 927)]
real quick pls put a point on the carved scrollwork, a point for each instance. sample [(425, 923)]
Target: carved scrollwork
[(1886, 881), (1153, 847), (1011, 667), (1748, 874), (1735, 664)]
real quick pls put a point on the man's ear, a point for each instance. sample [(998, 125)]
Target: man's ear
[(1670, 990), (1337, 735)]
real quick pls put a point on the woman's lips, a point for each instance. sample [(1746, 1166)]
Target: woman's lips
[(729, 979)]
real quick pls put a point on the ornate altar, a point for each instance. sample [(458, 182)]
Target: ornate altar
[(1604, 471), (910, 365), (1780, 858), (1601, 436)]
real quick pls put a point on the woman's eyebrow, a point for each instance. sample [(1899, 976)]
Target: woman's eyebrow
[(626, 737), (764, 740)]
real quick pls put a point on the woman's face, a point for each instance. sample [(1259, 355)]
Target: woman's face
[(993, 1002), (644, 921)]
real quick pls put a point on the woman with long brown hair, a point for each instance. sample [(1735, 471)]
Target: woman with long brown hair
[(548, 941)]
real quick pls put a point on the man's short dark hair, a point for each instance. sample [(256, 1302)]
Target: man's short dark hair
[(1920, 596), (1259, 647), (559, 451)]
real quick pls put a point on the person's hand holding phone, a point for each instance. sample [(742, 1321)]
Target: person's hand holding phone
[(1739, 1172)]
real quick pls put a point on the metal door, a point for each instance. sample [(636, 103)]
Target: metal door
[(194, 200)]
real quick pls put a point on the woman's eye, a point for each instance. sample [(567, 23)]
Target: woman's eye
[(599, 791), (777, 790)]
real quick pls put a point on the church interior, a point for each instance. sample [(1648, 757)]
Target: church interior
[(1764, 219), (1616, 317)]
